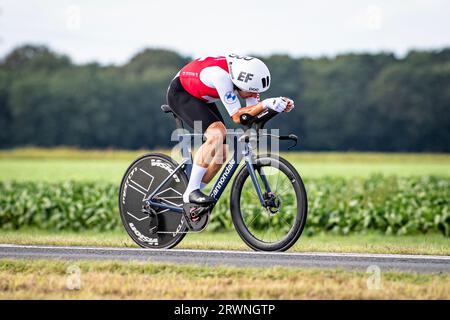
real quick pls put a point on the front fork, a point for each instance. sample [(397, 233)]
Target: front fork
[(249, 161)]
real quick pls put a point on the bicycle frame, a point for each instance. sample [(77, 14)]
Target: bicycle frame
[(225, 176)]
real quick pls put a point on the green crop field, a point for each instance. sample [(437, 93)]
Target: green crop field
[(76, 190), (390, 205)]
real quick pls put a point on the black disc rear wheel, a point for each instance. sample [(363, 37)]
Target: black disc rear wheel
[(142, 177)]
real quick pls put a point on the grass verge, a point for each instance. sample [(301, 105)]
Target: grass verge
[(49, 279), (370, 243)]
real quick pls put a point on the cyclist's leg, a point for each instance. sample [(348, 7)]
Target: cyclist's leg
[(216, 134), (191, 109), (219, 159), (211, 153), (203, 160)]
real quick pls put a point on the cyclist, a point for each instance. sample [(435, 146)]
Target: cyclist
[(192, 95)]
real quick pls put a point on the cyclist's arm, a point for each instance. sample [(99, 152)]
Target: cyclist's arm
[(252, 101), (257, 108), (251, 110), (220, 80)]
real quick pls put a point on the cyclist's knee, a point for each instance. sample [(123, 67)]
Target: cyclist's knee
[(216, 133)]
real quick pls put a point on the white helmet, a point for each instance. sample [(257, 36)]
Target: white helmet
[(248, 73)]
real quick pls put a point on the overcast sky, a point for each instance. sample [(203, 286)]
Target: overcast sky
[(110, 31)]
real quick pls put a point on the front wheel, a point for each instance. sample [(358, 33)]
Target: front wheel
[(278, 225)]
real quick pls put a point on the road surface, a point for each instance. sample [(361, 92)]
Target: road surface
[(349, 261)]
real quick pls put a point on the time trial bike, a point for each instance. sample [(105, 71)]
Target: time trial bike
[(268, 202)]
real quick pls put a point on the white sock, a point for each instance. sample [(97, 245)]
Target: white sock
[(203, 185), (194, 181)]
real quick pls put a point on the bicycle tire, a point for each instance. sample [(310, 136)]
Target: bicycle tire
[(237, 215), (130, 203)]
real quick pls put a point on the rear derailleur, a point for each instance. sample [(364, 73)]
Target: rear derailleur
[(153, 215)]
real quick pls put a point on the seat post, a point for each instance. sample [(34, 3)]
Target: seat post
[(178, 122)]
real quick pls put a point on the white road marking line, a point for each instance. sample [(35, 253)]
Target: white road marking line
[(249, 253)]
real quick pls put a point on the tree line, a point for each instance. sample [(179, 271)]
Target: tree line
[(366, 102)]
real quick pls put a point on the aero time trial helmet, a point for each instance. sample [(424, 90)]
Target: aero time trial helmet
[(248, 73)]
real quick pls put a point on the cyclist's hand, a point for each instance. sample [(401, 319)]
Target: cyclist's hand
[(290, 105), (276, 104)]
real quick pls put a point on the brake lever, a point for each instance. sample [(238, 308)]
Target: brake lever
[(292, 137)]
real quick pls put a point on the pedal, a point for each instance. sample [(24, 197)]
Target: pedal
[(196, 216)]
